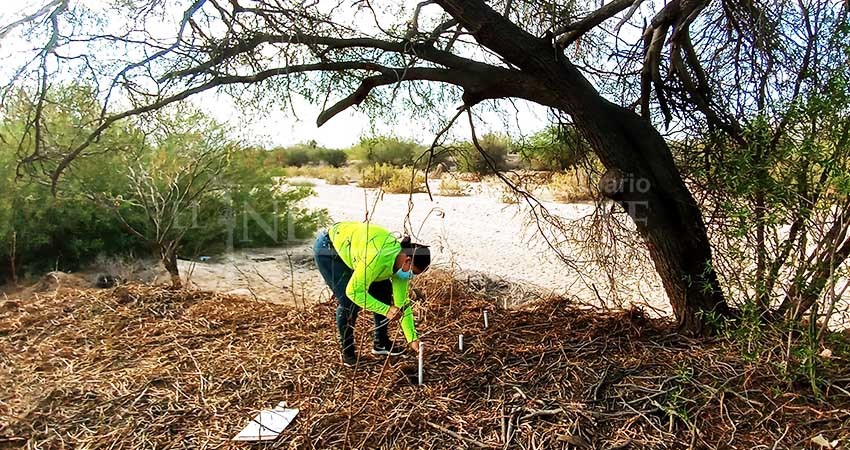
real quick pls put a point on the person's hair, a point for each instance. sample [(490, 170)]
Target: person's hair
[(420, 253)]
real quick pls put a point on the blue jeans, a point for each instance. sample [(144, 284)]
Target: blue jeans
[(337, 275)]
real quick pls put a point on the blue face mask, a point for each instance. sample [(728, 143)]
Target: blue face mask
[(402, 275)]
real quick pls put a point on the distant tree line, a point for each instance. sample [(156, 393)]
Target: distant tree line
[(552, 149)]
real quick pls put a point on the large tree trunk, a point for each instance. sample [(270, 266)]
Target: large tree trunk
[(168, 256), (642, 177), (652, 192)]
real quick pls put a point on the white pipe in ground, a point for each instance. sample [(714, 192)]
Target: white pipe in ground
[(486, 320), (460, 342), (420, 363)]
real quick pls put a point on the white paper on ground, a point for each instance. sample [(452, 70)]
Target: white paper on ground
[(268, 424)]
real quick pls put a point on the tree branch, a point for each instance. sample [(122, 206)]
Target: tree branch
[(569, 33), (470, 82), (196, 5), (60, 5), (480, 81), (422, 50)]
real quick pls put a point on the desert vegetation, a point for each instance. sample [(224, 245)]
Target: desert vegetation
[(174, 186), (707, 141)]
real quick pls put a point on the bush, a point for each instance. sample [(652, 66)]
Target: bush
[(305, 171), (376, 176), (58, 233), (39, 231), (497, 148), (301, 155), (333, 158), (264, 212), (69, 231), (571, 186), (400, 183), (391, 179), (554, 149), (331, 175), (387, 150), (337, 178), (452, 187)]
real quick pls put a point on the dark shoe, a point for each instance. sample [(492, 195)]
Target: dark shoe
[(387, 348), (349, 359)]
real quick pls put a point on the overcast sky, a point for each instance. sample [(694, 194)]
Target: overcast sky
[(275, 127)]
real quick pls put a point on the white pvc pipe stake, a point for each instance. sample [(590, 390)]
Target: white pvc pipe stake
[(420, 364), (486, 320), (460, 342)]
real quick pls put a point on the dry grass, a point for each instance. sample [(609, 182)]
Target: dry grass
[(337, 178), (332, 175), (143, 367), (573, 185), (300, 182), (452, 187), (468, 176), (392, 179)]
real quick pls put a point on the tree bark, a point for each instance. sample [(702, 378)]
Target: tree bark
[(13, 258), (168, 256), (652, 193), (650, 189)]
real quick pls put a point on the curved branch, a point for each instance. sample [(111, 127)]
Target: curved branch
[(60, 6), (215, 82), (569, 33), (469, 81), (186, 16), (422, 50), (676, 15), (478, 83)]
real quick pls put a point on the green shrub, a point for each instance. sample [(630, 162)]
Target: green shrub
[(58, 233), (299, 155), (470, 159), (40, 231), (264, 212), (69, 231), (333, 158), (554, 149), (387, 150)]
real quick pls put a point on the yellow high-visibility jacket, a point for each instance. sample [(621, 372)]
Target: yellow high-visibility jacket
[(370, 251)]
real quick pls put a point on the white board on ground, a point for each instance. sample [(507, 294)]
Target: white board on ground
[(268, 424)]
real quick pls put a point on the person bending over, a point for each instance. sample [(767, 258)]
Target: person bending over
[(367, 267)]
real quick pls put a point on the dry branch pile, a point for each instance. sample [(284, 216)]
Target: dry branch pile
[(143, 367)]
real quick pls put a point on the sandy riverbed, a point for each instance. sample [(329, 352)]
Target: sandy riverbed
[(477, 233)]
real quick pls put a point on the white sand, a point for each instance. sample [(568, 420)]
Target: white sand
[(477, 233), (481, 233)]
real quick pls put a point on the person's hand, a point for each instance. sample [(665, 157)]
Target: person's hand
[(393, 313), (415, 346)]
